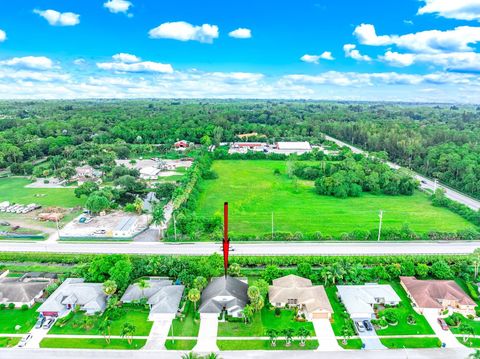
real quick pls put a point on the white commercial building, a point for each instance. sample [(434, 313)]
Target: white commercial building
[(293, 147)]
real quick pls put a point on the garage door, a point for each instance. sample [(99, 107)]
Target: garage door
[(320, 316)]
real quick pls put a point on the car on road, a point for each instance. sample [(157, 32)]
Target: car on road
[(39, 323), (360, 326), (368, 325), (48, 323), (442, 323), (24, 340), (230, 248)]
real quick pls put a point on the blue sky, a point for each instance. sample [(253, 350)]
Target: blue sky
[(401, 50)]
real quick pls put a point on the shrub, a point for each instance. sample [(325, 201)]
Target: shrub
[(390, 315), (2, 306), (277, 311), (454, 320), (411, 320), (472, 290), (24, 307), (11, 306)]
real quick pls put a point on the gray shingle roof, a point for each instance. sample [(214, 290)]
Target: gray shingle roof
[(224, 287), (15, 290)]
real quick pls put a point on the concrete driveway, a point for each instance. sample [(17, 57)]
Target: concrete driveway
[(207, 335), (446, 336), (371, 340), (37, 337), (325, 335), (159, 333)]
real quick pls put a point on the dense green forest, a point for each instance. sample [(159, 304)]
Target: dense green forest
[(438, 141)]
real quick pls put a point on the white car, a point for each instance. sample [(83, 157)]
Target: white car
[(360, 326), (24, 340)]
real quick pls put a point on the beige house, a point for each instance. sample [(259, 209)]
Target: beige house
[(297, 291), (438, 294)]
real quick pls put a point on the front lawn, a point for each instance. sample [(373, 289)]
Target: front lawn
[(264, 345), (400, 343), (351, 344), (261, 322), (91, 343), (132, 314), (186, 326), (8, 342), (340, 317), (404, 310), (10, 318), (180, 344), (471, 342)]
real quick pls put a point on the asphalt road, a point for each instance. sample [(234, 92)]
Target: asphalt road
[(272, 248), (144, 354), (425, 183)]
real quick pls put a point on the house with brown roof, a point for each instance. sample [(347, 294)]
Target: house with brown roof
[(438, 294), (299, 292)]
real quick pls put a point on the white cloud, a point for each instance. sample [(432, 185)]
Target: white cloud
[(452, 9), (430, 41), (241, 33), (314, 59), (3, 36), (79, 62), (29, 62), (184, 31), (351, 51), (116, 6), (397, 59), (127, 58), (56, 18), (131, 63)]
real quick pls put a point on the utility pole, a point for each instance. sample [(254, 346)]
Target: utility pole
[(380, 224), (174, 227), (272, 226)]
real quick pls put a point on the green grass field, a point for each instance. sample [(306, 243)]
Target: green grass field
[(8, 342), (13, 189), (264, 345), (91, 343), (399, 343), (187, 326), (254, 193), (180, 344), (10, 318)]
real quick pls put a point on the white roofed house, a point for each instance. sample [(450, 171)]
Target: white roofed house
[(149, 173), (163, 297), (75, 293)]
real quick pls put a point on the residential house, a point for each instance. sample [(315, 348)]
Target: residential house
[(438, 294), (359, 300), (75, 293), (299, 292), (23, 291), (181, 144), (163, 297), (224, 294)]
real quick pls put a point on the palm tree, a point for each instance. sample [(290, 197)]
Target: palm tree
[(303, 333), (87, 322), (109, 287), (346, 333), (475, 355), (327, 275), (338, 272), (248, 312), (273, 335), (288, 333), (104, 328), (212, 356), (128, 330), (200, 283), (191, 355), (143, 284), (138, 204), (194, 296)]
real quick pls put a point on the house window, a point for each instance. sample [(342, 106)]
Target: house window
[(292, 301)]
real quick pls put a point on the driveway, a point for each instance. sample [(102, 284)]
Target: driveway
[(370, 340), (37, 337), (207, 335), (159, 333), (325, 335), (445, 336)]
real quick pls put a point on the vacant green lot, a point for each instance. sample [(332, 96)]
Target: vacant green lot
[(264, 345), (91, 343), (13, 189), (134, 315), (10, 318), (255, 192), (261, 322)]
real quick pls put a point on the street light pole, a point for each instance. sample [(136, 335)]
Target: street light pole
[(380, 225)]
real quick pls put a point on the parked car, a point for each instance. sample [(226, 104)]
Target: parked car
[(39, 323), (442, 323), (48, 323), (360, 326), (368, 325), (24, 340)]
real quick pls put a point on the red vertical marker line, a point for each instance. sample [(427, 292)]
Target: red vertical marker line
[(226, 242)]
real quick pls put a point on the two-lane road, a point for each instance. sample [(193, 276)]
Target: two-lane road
[(425, 183)]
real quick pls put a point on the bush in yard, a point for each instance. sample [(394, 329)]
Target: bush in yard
[(411, 319), (390, 315), (11, 306), (24, 307), (278, 311), (454, 320), (2, 306)]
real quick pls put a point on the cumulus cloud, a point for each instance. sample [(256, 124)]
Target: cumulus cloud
[(456, 9), (79, 62), (3, 36), (56, 18), (130, 63), (117, 6), (183, 31), (241, 33), (397, 59), (29, 62), (430, 41), (314, 59), (351, 51)]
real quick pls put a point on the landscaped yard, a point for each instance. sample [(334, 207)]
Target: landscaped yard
[(187, 326), (8, 342), (403, 310), (264, 345), (471, 342), (254, 192), (399, 343), (13, 189), (10, 318), (134, 315), (261, 322), (91, 343), (351, 344), (180, 344), (339, 318)]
